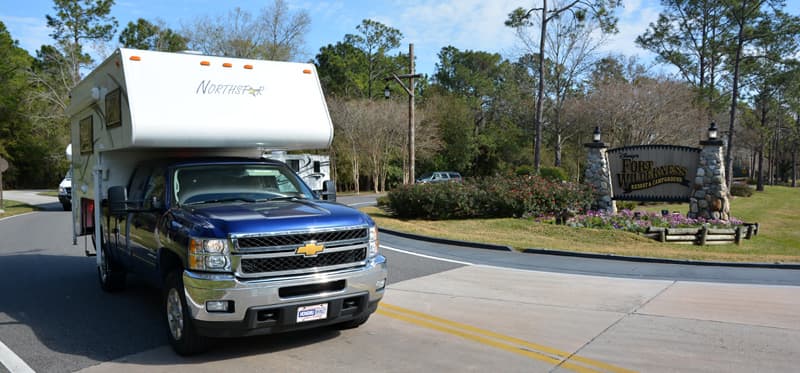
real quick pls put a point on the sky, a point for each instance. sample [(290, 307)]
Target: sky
[(428, 24)]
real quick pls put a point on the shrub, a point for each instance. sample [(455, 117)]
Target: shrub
[(741, 190), (494, 197), (626, 205), (525, 170), (553, 173)]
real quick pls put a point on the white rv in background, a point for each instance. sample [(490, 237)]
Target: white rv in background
[(314, 169)]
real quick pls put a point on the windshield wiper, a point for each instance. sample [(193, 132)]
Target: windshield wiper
[(220, 200), (283, 198)]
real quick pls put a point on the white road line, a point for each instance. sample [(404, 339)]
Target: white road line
[(468, 263), (361, 203), (12, 362), (15, 216), (426, 256)]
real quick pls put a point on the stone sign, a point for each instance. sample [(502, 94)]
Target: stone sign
[(653, 172), (668, 173)]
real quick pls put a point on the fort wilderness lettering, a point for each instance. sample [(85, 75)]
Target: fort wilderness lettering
[(638, 175)]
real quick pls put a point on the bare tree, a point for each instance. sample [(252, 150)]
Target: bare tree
[(348, 137), (275, 34), (385, 125), (285, 32), (522, 20), (646, 111), (370, 136), (571, 47)]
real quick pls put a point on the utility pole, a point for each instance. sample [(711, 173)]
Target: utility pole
[(410, 90)]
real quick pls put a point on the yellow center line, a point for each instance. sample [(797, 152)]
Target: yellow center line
[(519, 346)]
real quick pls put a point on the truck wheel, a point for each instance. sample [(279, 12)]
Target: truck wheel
[(354, 323), (67, 206), (110, 274), (180, 329)]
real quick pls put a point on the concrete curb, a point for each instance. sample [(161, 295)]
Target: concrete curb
[(446, 241), (660, 260), (577, 254)]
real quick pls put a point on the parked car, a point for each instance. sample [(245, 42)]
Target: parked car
[(439, 177), (65, 191)]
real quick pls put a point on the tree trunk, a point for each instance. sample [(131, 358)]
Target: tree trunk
[(770, 164), (794, 166), (760, 185), (356, 172), (558, 149), (734, 99)]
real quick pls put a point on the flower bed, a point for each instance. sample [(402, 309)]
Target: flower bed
[(668, 228)]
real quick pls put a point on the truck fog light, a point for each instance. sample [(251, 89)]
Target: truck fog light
[(216, 262), (219, 306), (380, 284)]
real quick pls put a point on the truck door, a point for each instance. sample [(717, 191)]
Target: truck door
[(136, 189), (144, 240)]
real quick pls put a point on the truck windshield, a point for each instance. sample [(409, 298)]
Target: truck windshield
[(236, 182)]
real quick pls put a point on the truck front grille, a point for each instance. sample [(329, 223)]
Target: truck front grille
[(299, 262), (275, 255), (300, 238)]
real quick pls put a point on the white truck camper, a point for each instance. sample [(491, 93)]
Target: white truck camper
[(171, 178)]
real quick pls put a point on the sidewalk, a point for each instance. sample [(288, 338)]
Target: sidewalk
[(33, 198)]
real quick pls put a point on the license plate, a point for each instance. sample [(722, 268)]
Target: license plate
[(311, 313)]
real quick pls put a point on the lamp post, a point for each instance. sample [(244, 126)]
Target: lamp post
[(712, 131), (410, 90)]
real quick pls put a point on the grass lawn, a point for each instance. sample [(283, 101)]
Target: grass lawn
[(15, 208), (778, 240), (49, 193)]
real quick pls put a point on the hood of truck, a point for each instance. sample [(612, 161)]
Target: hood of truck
[(277, 216)]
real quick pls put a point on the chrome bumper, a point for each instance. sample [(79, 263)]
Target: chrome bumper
[(247, 294)]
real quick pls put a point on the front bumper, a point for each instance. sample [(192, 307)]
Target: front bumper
[(266, 306)]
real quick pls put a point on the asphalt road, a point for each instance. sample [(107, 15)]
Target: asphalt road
[(447, 308)]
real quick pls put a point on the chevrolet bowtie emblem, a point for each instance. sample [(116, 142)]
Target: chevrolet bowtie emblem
[(309, 249)]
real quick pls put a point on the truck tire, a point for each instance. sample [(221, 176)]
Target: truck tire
[(180, 329), (352, 324), (66, 206), (110, 274)]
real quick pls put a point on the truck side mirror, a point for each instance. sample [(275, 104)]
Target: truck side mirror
[(329, 191), (117, 200)]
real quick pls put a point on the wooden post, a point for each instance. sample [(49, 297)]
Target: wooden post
[(411, 146), (703, 235), (738, 236)]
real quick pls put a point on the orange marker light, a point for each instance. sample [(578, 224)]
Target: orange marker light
[(227, 64), (205, 63), (248, 67), (135, 58), (307, 71)]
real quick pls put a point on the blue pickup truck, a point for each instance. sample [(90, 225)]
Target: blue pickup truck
[(171, 182), (240, 247)]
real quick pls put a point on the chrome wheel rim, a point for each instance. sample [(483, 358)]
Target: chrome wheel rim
[(175, 314)]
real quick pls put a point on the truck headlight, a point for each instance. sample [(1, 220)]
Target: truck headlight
[(209, 255), (373, 243)]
